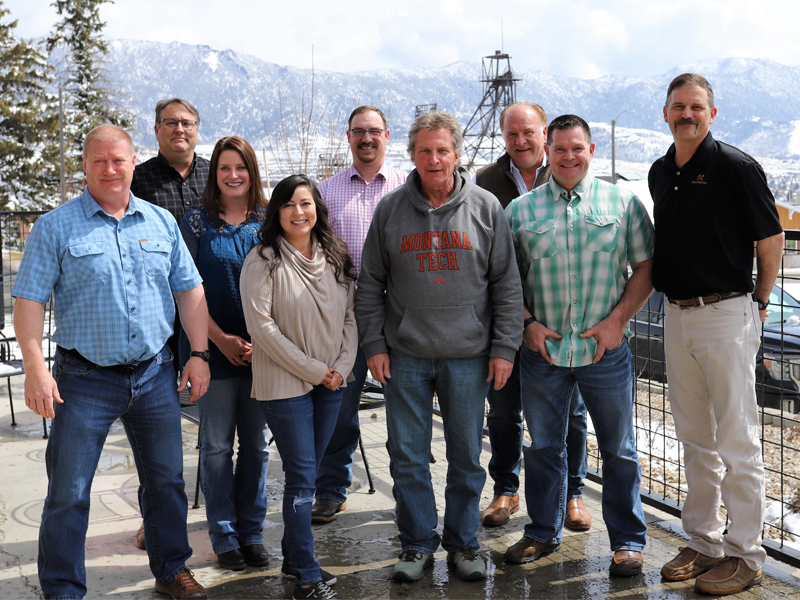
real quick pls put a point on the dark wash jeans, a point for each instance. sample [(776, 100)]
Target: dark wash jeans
[(302, 427), (607, 388), (147, 404)]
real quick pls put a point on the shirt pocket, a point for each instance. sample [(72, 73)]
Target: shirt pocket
[(601, 232), (540, 238), (87, 262), (156, 256)]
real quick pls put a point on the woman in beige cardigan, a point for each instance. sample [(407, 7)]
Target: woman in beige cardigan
[(297, 295)]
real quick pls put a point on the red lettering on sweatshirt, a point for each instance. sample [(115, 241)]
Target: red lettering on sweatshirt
[(435, 240)]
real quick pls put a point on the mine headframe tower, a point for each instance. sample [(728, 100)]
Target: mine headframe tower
[(483, 140)]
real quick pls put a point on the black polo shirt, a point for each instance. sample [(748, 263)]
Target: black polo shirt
[(707, 215), (160, 184)]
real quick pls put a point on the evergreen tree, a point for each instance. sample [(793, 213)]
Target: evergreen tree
[(29, 175), (90, 98)]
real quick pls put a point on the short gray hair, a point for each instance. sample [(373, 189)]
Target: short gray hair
[(162, 104), (436, 121)]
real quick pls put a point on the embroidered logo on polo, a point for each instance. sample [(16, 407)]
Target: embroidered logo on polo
[(701, 179)]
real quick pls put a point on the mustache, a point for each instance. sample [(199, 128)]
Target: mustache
[(687, 122)]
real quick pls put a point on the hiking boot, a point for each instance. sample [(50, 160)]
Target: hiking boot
[(410, 565), (255, 555), (469, 566)]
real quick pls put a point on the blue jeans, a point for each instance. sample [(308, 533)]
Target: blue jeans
[(147, 404), (607, 388), (236, 498), (302, 427), (504, 422), (461, 387), (335, 473)]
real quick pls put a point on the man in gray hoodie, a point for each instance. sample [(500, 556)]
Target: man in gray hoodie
[(439, 310)]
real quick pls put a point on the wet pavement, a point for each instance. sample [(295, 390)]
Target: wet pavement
[(360, 546)]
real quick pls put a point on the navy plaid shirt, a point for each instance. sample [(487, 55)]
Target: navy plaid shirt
[(158, 183)]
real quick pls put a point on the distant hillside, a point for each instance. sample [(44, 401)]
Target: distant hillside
[(238, 93)]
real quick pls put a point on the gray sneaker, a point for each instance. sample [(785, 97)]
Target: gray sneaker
[(410, 565), (469, 566)]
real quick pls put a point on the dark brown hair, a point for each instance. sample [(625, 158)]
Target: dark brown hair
[(271, 231), (212, 197)]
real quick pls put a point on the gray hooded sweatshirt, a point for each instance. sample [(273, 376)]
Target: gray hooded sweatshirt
[(440, 282)]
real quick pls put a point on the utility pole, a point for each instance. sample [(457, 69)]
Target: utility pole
[(614, 145)]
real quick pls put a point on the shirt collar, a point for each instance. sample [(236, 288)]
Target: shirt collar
[(581, 190), (518, 175), (91, 207), (352, 173), (163, 161), (700, 156)]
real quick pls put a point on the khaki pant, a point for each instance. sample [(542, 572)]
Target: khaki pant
[(710, 354)]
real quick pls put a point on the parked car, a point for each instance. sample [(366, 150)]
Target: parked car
[(777, 363)]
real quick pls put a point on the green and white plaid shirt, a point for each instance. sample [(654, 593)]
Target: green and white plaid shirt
[(572, 251)]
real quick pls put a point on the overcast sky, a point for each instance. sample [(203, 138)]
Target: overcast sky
[(581, 38)]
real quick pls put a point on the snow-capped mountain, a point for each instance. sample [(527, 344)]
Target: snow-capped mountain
[(239, 94)]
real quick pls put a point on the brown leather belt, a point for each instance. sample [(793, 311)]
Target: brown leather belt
[(703, 300)]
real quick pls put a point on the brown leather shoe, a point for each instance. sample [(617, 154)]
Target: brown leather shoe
[(578, 518), (731, 575), (500, 510), (183, 586), (688, 564), (626, 563), (325, 510), (140, 543), (527, 550)]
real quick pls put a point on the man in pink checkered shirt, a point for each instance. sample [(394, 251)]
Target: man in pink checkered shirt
[(351, 197)]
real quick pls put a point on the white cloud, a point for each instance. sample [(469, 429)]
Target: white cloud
[(583, 38)]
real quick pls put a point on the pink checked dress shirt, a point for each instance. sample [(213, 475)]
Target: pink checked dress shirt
[(351, 202)]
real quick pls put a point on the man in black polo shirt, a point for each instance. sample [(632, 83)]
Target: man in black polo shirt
[(175, 178), (711, 204)]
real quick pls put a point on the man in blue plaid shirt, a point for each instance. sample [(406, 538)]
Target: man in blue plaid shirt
[(113, 263), (574, 238)]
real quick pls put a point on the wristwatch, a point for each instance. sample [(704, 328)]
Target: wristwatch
[(527, 322), (205, 354), (761, 305)]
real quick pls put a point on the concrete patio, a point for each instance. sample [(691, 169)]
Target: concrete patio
[(359, 546)]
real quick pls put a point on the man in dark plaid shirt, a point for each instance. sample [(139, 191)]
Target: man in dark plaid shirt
[(175, 178)]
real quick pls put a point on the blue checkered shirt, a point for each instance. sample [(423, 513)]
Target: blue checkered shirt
[(112, 280)]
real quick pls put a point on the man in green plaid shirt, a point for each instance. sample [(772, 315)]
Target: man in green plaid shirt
[(574, 238)]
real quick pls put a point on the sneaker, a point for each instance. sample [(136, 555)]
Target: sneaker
[(731, 575), (183, 586), (469, 566), (688, 564), (317, 590), (288, 571), (410, 565)]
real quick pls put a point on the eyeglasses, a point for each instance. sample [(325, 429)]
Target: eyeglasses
[(173, 123), (372, 132)]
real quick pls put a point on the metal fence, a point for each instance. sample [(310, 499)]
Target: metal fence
[(778, 382), (660, 453)]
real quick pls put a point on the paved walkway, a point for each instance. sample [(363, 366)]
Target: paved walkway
[(359, 546)]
